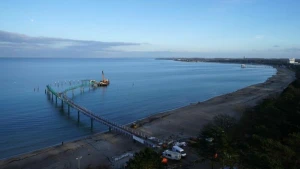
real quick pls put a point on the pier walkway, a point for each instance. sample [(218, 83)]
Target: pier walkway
[(135, 135)]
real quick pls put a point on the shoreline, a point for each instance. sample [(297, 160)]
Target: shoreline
[(247, 103), (135, 121), (177, 123)]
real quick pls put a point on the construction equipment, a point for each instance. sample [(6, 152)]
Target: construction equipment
[(103, 82)]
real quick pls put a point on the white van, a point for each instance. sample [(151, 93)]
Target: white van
[(179, 150), (171, 155)]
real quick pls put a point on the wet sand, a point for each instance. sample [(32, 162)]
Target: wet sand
[(184, 122)]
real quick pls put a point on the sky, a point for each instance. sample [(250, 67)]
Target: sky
[(150, 28)]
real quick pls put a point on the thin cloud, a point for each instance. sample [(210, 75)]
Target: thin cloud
[(292, 50), (14, 40), (276, 46), (18, 45), (259, 36)]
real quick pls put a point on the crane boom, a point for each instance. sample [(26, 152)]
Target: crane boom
[(103, 76)]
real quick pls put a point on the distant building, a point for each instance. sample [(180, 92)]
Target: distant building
[(292, 61)]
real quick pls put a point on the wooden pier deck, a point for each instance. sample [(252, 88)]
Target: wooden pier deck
[(136, 135)]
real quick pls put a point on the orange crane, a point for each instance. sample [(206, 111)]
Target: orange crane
[(104, 82)]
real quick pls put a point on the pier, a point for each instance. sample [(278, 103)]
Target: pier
[(65, 100)]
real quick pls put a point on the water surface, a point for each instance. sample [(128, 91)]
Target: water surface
[(139, 88)]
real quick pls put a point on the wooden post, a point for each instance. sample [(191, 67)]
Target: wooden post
[(56, 100), (68, 110), (78, 117), (62, 103), (52, 96), (92, 120), (109, 128)]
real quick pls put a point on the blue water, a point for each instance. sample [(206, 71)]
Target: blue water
[(139, 88)]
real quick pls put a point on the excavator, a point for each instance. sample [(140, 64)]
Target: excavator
[(103, 82)]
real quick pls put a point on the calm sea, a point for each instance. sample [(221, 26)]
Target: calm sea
[(139, 88)]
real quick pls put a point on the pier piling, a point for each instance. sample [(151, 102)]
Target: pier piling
[(78, 117), (68, 110), (92, 121)]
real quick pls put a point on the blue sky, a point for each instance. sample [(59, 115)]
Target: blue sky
[(212, 28)]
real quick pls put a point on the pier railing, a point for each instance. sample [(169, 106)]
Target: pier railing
[(134, 134)]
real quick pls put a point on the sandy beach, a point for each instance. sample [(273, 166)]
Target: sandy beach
[(100, 149)]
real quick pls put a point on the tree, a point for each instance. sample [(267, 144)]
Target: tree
[(266, 153), (215, 146), (206, 147), (145, 159), (216, 143), (224, 121), (293, 141)]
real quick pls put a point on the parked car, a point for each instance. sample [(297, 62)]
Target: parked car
[(180, 144), (179, 150), (171, 155)]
